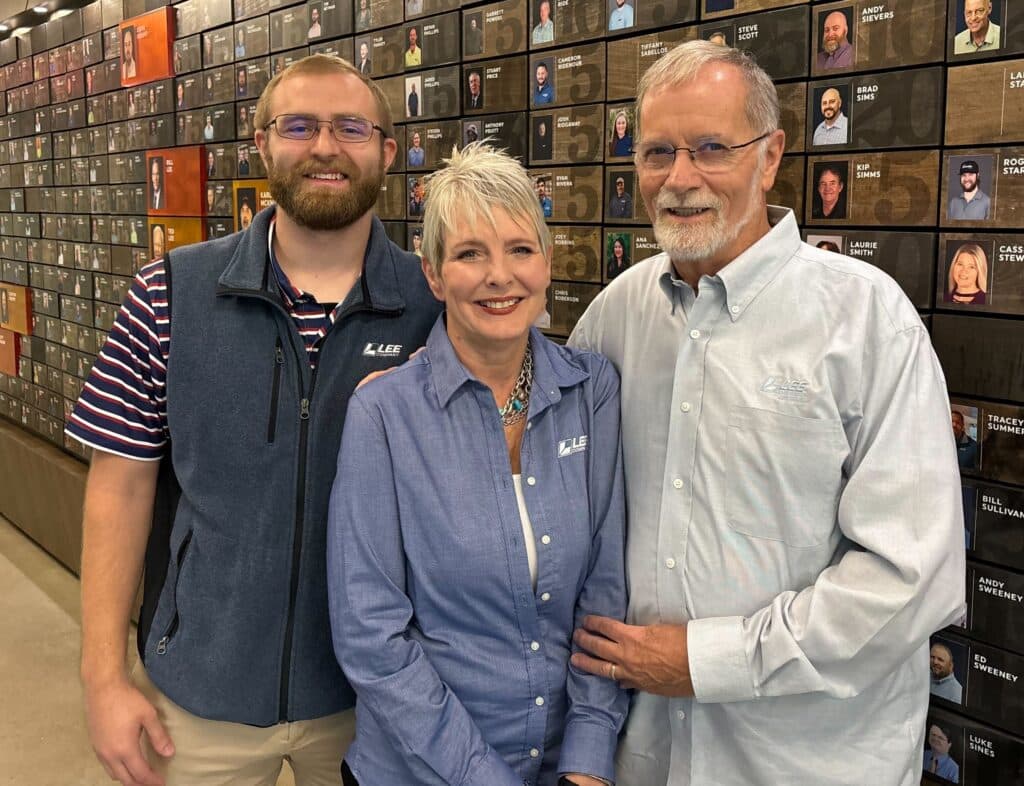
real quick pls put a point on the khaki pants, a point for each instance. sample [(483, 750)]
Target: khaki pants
[(219, 753)]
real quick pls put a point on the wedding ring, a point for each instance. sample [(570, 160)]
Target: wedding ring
[(611, 672)]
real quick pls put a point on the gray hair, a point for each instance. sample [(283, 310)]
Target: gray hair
[(474, 181), (682, 64)]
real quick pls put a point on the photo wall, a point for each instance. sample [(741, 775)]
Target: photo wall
[(126, 131)]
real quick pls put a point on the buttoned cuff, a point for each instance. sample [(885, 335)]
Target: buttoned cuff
[(718, 660), (589, 749)]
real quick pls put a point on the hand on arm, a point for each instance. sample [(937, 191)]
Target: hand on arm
[(118, 509)]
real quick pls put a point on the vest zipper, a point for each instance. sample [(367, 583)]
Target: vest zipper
[(161, 646), (275, 391)]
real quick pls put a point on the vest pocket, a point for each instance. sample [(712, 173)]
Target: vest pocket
[(275, 391), (172, 627)]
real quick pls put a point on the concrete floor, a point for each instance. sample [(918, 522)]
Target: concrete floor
[(43, 741)]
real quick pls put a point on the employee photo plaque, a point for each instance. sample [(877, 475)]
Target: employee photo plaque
[(570, 135), (565, 77), (985, 103), (788, 189), (494, 86), (576, 253), (566, 304), (981, 272), (979, 30), (494, 30), (992, 515), (436, 38), (895, 109), (570, 194), (985, 356), (983, 188), (392, 204), (561, 22), (508, 131), (146, 43), (629, 58), (888, 189), (777, 39), (427, 143), (864, 35)]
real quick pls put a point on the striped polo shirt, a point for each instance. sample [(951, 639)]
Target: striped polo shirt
[(123, 405)]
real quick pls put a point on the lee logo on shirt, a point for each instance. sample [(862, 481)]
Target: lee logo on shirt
[(569, 446), (382, 350), (786, 389)]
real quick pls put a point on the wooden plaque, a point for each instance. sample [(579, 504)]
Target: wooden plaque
[(287, 28), (436, 141), (568, 21), (15, 308), (503, 86), (879, 35), (371, 14), (793, 114), (384, 50), (166, 234), (629, 58), (248, 198), (424, 94), (985, 103), (985, 356), (622, 201), (625, 247), (567, 77), (1001, 178), (494, 30), (711, 9), (909, 257), (437, 40), (887, 189), (788, 190), (566, 304), (777, 40), (1006, 15), (895, 109), (576, 253), (391, 204), (999, 282), (175, 181), (507, 131), (567, 136), (575, 193), (643, 14), (416, 8)]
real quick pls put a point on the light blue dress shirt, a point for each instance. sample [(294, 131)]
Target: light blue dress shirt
[(794, 497), (460, 666)]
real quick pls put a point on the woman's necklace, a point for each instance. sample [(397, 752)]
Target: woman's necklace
[(518, 401)]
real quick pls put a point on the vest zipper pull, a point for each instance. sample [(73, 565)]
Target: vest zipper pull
[(279, 355), (304, 409), (161, 646)]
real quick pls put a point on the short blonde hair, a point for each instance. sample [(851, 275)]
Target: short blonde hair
[(681, 65), (323, 64), (977, 253), (474, 181)]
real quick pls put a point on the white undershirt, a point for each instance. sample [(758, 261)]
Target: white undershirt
[(524, 518)]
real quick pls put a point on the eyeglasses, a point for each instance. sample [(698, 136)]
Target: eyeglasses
[(709, 157), (305, 127)]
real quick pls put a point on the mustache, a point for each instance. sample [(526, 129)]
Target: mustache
[(666, 200)]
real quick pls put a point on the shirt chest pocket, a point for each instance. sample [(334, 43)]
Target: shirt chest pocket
[(784, 476)]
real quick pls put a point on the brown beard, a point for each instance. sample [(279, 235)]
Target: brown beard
[(326, 211)]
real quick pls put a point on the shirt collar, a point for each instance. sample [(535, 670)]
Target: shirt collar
[(752, 270), (552, 368)]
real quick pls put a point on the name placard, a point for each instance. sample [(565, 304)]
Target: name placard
[(494, 30), (572, 135), (985, 103), (570, 194)]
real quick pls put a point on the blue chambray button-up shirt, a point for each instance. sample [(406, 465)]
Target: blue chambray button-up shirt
[(461, 667)]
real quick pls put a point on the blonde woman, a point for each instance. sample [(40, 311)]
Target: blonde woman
[(968, 275)]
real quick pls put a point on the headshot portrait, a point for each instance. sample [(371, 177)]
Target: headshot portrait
[(965, 434), (211, 164), (243, 160), (721, 37), (157, 196), (977, 25), (244, 125), (967, 279), (211, 198), (943, 750), (832, 124), (969, 177), (245, 207), (620, 187), (830, 189), (470, 132), (543, 91), (129, 54), (835, 44), (833, 243), (620, 131), (157, 241), (242, 82), (364, 17), (363, 60), (315, 31), (415, 185), (5, 307), (620, 14), (413, 52), (415, 155), (948, 664), (542, 183), (412, 95), (617, 253), (544, 26), (413, 7), (542, 137), (473, 43), (474, 89), (416, 241)]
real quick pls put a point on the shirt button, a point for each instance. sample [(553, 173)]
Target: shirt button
[(735, 309), (545, 596), (685, 406), (694, 334), (681, 715), (534, 753), (539, 701), (545, 539), (529, 425), (534, 646), (677, 483), (531, 481), (670, 563)]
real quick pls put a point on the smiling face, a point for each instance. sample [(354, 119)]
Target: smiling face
[(544, 11), (830, 186), (474, 83), (154, 174), (618, 250), (493, 283), (416, 139), (413, 38), (699, 216), (958, 424), (965, 273), (938, 741), (831, 103), (968, 181), (322, 183), (542, 74), (940, 661), (621, 124), (835, 31), (364, 51), (976, 14)]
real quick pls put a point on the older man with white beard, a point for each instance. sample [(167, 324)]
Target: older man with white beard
[(795, 526)]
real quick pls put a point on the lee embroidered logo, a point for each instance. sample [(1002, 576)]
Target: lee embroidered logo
[(786, 389), (382, 350), (569, 446)]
